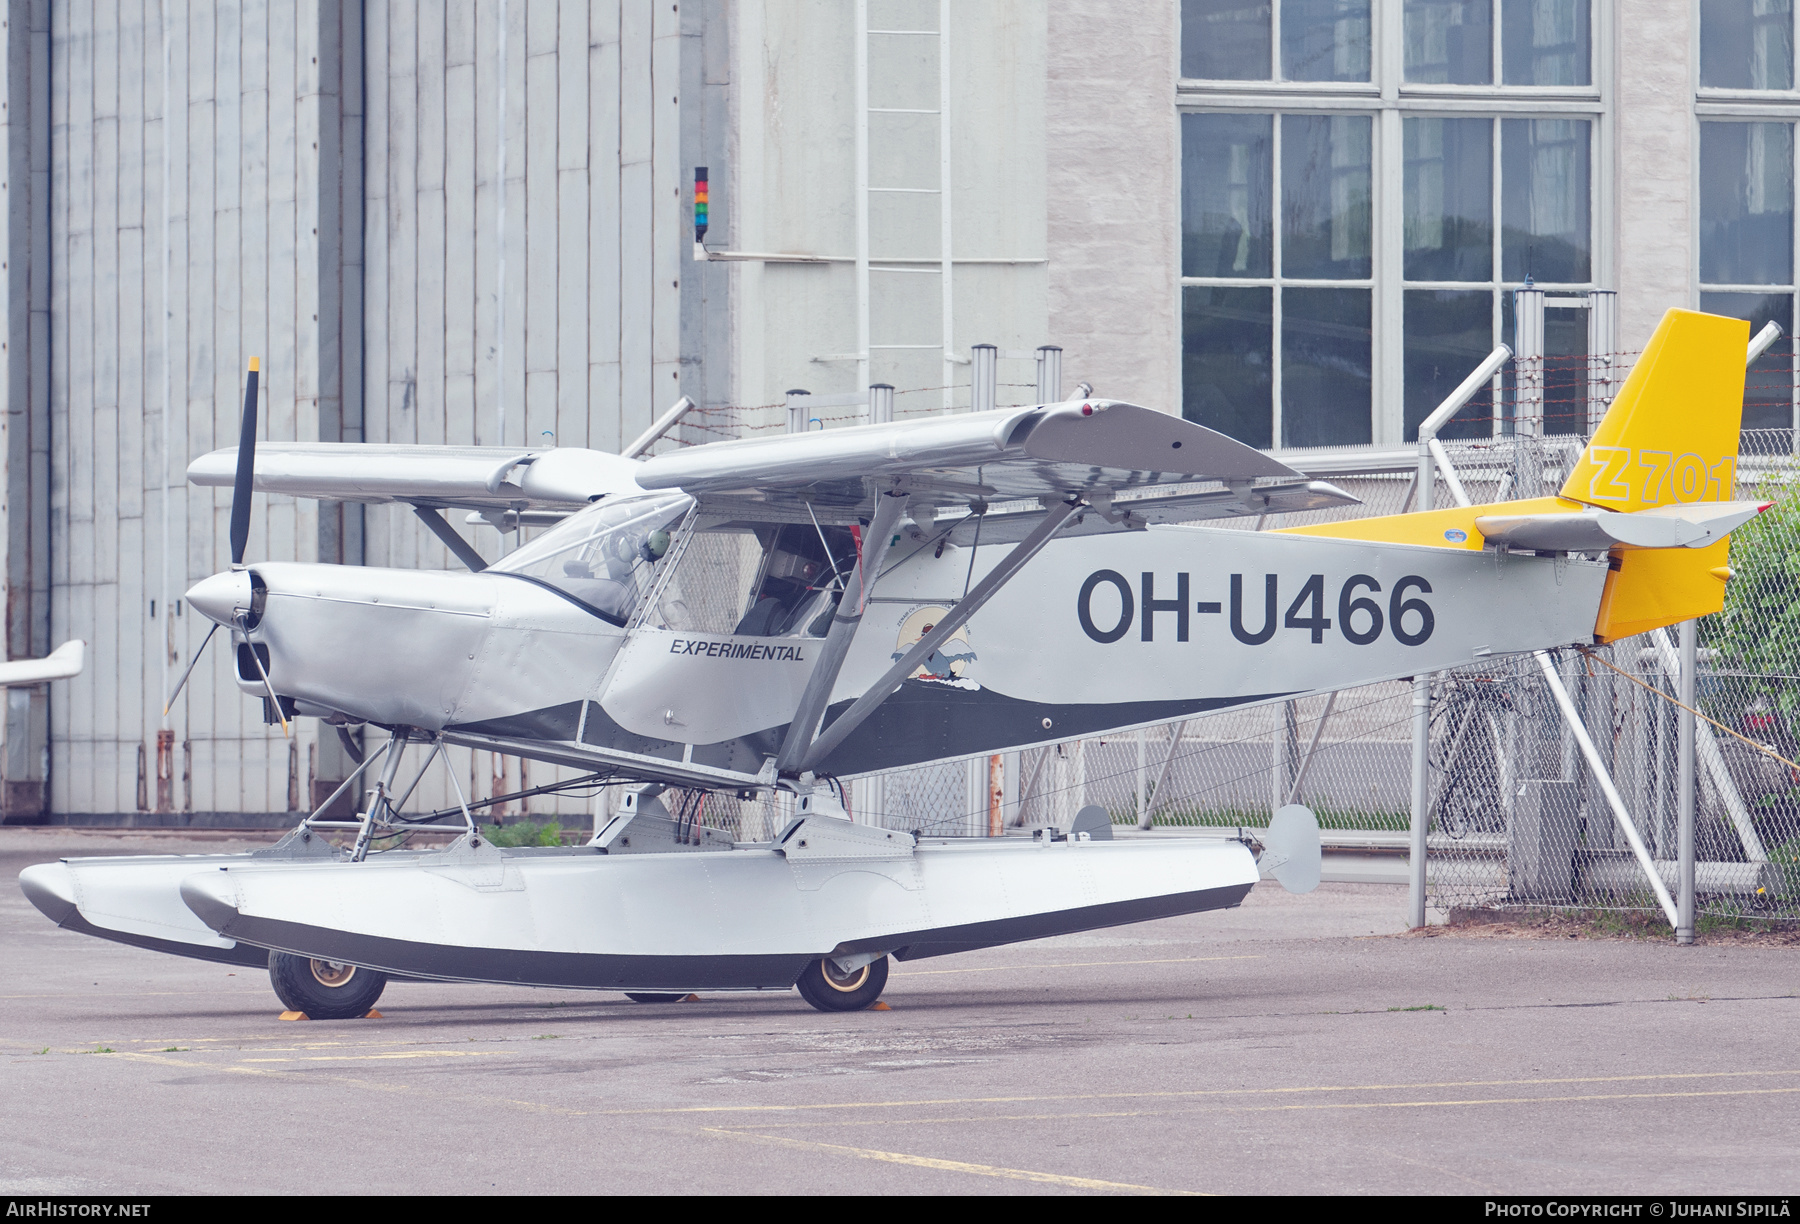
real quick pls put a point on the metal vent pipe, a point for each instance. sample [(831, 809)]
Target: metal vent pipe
[(1049, 363), (984, 376)]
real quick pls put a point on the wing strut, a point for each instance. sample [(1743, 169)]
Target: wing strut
[(970, 604), (843, 627), (461, 548)]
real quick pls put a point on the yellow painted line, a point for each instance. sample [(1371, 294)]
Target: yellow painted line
[(949, 1166), (1096, 1115), (1203, 1092), (1173, 960)]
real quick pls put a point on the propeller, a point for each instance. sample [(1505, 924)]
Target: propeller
[(241, 490), (246, 471)]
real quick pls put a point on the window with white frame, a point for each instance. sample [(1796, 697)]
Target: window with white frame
[(1349, 240), (1747, 108)]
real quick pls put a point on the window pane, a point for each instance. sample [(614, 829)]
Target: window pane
[(1325, 387), (1747, 44), (1227, 357), (1325, 40), (1450, 42), (1225, 40), (1747, 203), (1226, 180), (1448, 332), (1769, 384), (1449, 199), (1544, 199), (1325, 196), (1544, 42)]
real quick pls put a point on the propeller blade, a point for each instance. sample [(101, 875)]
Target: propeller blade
[(268, 685), (246, 470), (182, 683)]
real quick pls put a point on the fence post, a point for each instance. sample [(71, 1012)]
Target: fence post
[(1528, 362), (881, 403), (1684, 786), (984, 373), (797, 409), (1049, 371), (1604, 363), (1415, 881)]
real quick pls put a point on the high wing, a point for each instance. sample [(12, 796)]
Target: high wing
[(488, 478), (1049, 451), (1135, 466)]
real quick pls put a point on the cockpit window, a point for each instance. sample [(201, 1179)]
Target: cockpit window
[(605, 556), (803, 573), (759, 580)]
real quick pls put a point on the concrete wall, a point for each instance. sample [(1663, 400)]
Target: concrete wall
[(794, 190), (1654, 163), (1113, 173)]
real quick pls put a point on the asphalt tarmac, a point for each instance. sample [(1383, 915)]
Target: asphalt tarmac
[(1294, 1045)]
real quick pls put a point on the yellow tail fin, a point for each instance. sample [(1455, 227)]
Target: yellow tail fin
[(1671, 435)]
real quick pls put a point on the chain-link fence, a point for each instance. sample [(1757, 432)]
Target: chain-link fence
[(1517, 818)]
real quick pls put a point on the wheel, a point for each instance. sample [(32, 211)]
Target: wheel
[(324, 990), (822, 985), (644, 996)]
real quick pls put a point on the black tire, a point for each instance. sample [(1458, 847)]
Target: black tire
[(324, 990), (830, 991), (645, 996)]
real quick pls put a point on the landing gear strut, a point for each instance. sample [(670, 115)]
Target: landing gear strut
[(830, 989)]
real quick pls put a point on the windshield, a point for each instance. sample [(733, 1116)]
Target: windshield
[(603, 557)]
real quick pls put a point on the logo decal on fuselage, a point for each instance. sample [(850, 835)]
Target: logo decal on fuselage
[(948, 663)]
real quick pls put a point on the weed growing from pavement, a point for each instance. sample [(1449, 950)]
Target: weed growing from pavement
[(525, 833), (1330, 817), (1633, 924)]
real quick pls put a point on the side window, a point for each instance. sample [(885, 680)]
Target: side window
[(759, 581)]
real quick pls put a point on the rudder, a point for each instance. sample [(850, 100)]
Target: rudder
[(1671, 435)]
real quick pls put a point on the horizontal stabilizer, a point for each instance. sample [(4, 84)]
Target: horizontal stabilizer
[(1694, 525)]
